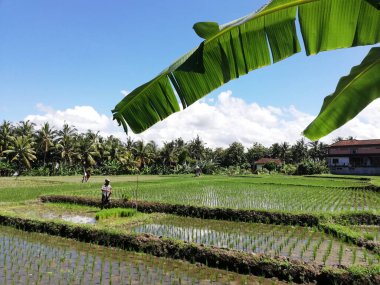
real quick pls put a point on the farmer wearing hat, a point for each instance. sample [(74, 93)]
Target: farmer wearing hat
[(106, 193)]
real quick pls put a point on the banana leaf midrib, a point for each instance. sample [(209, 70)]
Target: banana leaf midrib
[(258, 15), (354, 80), (261, 14)]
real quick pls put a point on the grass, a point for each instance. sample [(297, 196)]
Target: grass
[(115, 213)]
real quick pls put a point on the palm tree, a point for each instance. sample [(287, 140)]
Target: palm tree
[(168, 154), (299, 151), (236, 48), (284, 152), (66, 144), (142, 153), (25, 128), (196, 149), (21, 151), (45, 139), (6, 133), (317, 151), (86, 147)]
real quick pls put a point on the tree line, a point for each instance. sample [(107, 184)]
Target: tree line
[(26, 149)]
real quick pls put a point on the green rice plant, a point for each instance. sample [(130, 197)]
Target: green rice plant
[(327, 252), (354, 256), (115, 213), (341, 252)]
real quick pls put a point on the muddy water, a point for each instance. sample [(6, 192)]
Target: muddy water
[(29, 258), (299, 243)]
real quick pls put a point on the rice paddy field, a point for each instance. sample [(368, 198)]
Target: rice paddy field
[(295, 242), (39, 259), (28, 258), (266, 193)]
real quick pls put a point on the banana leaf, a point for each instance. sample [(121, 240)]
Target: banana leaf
[(231, 50), (353, 93)]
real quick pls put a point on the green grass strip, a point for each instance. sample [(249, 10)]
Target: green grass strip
[(115, 213)]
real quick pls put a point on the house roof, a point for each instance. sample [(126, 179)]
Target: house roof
[(355, 143), (268, 160)]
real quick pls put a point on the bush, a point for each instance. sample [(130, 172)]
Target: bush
[(308, 167), (289, 169), (270, 166)]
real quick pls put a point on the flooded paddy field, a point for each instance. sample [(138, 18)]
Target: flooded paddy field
[(295, 242), (370, 232), (263, 196), (30, 258)]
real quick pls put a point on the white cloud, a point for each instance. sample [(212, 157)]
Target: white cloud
[(82, 117), (218, 123), (124, 92)]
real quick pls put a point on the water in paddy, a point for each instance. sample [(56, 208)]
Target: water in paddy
[(303, 243), (29, 258)]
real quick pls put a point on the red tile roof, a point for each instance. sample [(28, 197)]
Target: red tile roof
[(355, 143), (268, 160)]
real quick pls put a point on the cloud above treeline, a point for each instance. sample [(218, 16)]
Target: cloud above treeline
[(217, 122)]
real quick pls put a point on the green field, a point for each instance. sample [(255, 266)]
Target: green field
[(281, 193), (321, 196)]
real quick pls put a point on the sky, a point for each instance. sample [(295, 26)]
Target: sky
[(73, 61)]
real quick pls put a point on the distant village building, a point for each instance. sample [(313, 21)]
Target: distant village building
[(354, 157), (259, 164)]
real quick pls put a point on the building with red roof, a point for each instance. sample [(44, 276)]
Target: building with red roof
[(360, 157), (259, 164)]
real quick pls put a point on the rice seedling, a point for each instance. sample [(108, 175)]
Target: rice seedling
[(115, 213), (52, 260), (274, 240)]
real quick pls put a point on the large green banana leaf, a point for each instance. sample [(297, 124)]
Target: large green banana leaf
[(259, 39), (353, 93)]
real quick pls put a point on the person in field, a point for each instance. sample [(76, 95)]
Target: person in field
[(106, 193), (86, 175)]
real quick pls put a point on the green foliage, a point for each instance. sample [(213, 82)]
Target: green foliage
[(270, 166), (251, 42), (353, 93), (115, 213), (289, 169), (308, 167)]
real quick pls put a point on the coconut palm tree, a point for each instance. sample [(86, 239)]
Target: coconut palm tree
[(266, 36), (21, 151), (284, 152), (142, 153), (299, 151), (168, 154), (6, 133), (87, 149), (66, 143), (25, 128), (45, 139)]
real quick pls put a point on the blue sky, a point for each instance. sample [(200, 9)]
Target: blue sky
[(62, 54)]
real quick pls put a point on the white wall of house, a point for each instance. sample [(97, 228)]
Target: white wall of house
[(340, 161), (259, 166)]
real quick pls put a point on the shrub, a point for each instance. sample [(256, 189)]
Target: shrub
[(308, 167), (289, 169)]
